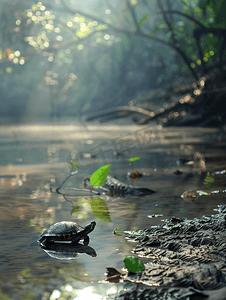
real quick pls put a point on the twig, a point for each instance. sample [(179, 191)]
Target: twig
[(128, 3)]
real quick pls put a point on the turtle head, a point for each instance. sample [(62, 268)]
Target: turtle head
[(90, 227)]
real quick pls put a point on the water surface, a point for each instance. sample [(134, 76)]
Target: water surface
[(33, 158)]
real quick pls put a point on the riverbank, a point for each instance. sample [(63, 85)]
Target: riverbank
[(186, 259)]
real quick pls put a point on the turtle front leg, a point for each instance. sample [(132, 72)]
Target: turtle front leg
[(86, 240), (76, 239)]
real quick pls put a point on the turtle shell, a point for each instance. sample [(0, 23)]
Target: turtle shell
[(62, 231)]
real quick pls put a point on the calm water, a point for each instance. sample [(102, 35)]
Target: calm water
[(32, 158)]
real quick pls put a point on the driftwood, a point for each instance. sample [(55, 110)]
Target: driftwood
[(200, 103), (121, 111)]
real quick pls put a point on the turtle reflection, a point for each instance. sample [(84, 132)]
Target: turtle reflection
[(67, 251)]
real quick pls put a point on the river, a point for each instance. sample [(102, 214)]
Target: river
[(34, 158)]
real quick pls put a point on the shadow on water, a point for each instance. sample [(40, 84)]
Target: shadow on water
[(33, 159)]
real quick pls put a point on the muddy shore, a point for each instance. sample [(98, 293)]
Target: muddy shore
[(186, 260)]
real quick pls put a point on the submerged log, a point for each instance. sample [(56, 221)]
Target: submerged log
[(114, 187)]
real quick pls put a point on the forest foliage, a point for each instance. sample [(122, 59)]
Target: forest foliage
[(107, 54)]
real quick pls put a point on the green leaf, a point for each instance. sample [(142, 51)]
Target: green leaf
[(115, 231), (74, 209), (159, 25), (133, 264), (117, 228), (73, 165), (134, 159), (144, 19), (99, 176), (100, 209)]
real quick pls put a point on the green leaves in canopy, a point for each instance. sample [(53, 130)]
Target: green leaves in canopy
[(143, 19), (99, 176), (134, 159), (133, 264), (160, 25), (100, 209), (215, 10)]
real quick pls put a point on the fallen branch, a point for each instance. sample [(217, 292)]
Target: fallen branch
[(121, 109)]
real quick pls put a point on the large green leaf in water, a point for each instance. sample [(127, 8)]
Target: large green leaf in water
[(133, 264), (99, 176), (100, 209)]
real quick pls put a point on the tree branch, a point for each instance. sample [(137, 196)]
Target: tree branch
[(122, 30), (186, 16), (168, 21), (133, 14), (175, 42), (138, 33)]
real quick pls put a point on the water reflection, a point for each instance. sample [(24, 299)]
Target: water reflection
[(67, 251), (35, 160)]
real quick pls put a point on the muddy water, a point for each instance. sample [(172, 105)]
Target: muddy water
[(33, 158)]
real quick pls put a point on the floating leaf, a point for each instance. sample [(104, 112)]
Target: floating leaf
[(100, 209), (133, 264), (134, 159), (99, 176), (144, 19), (74, 209)]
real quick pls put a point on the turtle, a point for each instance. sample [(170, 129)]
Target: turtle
[(66, 232)]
